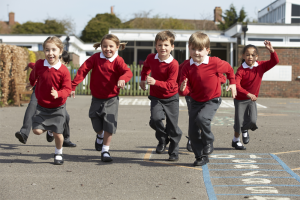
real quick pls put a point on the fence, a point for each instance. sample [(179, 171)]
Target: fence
[(132, 87)]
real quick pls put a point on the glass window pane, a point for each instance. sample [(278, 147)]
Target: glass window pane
[(179, 55), (128, 55), (142, 55), (179, 44), (40, 47), (295, 20), (295, 10), (144, 43), (130, 43)]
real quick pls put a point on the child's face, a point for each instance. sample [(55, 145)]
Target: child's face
[(164, 49), (250, 56), (52, 53), (109, 48), (198, 55)]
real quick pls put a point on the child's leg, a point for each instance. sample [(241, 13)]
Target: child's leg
[(188, 103), (59, 140), (240, 109), (38, 131), (66, 133), (105, 156), (203, 121), (23, 134), (250, 117)]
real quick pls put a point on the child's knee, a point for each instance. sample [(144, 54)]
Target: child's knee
[(37, 131)]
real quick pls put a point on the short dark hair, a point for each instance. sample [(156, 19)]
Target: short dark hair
[(165, 35)]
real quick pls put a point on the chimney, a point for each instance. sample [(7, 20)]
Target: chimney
[(218, 15), (112, 10), (11, 17)]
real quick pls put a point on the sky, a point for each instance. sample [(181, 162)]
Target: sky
[(80, 12)]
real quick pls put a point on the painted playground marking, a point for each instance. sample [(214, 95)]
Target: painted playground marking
[(145, 101), (252, 174)]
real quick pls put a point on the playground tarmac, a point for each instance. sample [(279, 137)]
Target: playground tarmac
[(268, 169)]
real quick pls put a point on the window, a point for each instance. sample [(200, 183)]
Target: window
[(263, 39), (128, 55), (144, 43), (295, 20), (40, 47), (89, 53), (179, 44), (130, 43), (180, 55), (295, 10), (294, 40), (28, 47)]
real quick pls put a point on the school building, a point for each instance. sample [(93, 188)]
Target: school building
[(277, 22)]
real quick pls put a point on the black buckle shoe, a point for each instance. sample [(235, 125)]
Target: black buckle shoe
[(106, 159), (161, 147), (69, 144), (98, 147), (208, 149), (189, 145), (201, 161), (173, 157), (246, 139), (236, 146), (48, 137), (58, 162), (22, 137)]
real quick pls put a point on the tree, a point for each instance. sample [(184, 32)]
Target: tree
[(50, 26), (231, 17), (98, 26)]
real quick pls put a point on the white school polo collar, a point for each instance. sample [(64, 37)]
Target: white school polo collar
[(56, 66), (169, 60), (205, 61), (245, 66), (110, 59)]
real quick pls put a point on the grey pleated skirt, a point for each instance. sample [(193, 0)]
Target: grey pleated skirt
[(50, 119), (104, 114)]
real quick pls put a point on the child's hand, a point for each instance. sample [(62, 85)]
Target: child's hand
[(143, 85), (121, 84), (26, 68), (29, 86), (183, 85), (269, 46), (54, 93), (150, 80), (252, 97), (72, 94), (232, 87)]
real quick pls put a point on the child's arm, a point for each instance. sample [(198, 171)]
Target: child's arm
[(125, 72), (65, 89), (267, 65), (33, 77), (144, 73), (222, 78), (30, 65), (224, 67), (184, 86)]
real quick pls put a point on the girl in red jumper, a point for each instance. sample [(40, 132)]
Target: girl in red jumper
[(110, 73), (248, 80), (52, 89)]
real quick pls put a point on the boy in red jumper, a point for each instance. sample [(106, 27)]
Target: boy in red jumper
[(200, 79), (110, 73), (163, 93), (52, 90), (248, 79)]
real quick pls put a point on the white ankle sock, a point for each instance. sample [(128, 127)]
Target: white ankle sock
[(50, 133), (105, 149), (58, 151), (100, 141), (235, 139), (245, 134)]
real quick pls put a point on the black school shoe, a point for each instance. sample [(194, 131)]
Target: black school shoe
[(58, 162), (201, 161), (173, 157), (237, 147), (246, 139), (161, 147), (48, 137), (106, 159), (98, 147), (22, 137), (69, 144), (189, 145), (208, 149)]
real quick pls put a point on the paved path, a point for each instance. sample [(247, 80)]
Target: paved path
[(268, 169)]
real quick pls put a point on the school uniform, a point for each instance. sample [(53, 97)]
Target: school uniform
[(164, 100), (248, 80), (50, 113), (204, 88), (106, 72)]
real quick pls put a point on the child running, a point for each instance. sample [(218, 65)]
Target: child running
[(163, 93), (248, 80), (23, 134), (188, 98), (53, 86), (200, 79), (109, 74)]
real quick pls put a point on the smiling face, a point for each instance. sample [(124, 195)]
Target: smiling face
[(109, 48), (250, 56), (52, 53), (198, 55), (164, 49)]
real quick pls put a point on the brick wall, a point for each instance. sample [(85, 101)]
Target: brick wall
[(287, 56), (75, 59)]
